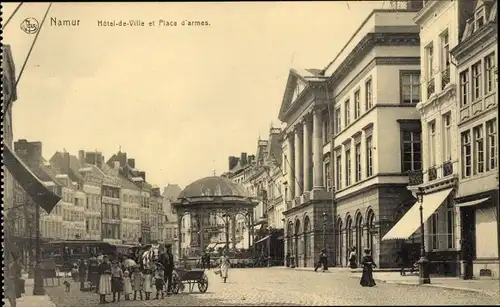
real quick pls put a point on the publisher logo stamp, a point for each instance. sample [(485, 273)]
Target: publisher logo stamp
[(30, 25)]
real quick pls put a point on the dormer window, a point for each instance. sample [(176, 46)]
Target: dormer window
[(479, 19)]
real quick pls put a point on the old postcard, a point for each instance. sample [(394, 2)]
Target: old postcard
[(250, 153)]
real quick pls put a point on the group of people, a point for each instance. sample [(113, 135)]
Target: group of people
[(116, 278)]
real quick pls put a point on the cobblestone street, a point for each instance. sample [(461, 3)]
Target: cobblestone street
[(277, 286)]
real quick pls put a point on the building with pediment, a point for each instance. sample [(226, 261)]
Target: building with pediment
[(352, 115), (475, 58)]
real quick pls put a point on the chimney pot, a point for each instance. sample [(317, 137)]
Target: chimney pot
[(81, 156)]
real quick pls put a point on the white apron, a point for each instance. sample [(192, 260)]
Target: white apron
[(147, 286), (105, 284), (224, 267)]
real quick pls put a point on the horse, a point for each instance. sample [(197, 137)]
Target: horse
[(148, 257)]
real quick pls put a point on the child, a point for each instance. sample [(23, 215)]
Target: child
[(137, 278), (159, 282), (147, 282), (127, 285), (116, 281)]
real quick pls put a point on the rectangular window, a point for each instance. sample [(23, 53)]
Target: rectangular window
[(347, 112), (410, 87), (368, 95), (434, 236), (476, 81), (348, 167), (489, 70), (478, 149), (445, 56), (412, 151), (450, 223), (432, 144), (338, 172), (357, 105), (464, 87), (338, 123), (491, 130), (358, 161), (327, 176), (478, 19), (429, 53), (447, 137), (466, 154)]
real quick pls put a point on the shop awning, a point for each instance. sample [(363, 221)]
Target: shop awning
[(410, 222), (263, 239), (472, 202), (40, 194), (211, 245), (281, 238)]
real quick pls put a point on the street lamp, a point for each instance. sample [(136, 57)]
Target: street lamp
[(423, 262)]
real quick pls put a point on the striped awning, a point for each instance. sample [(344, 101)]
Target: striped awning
[(472, 202), (410, 222), (263, 239)]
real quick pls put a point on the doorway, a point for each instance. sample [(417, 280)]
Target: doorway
[(468, 217)]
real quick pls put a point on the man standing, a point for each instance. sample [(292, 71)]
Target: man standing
[(323, 261), (168, 263)]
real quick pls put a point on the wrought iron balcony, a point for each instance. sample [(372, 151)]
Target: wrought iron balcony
[(432, 172), (431, 88), (445, 77), (415, 178), (447, 168)]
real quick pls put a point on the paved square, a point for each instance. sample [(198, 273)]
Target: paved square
[(287, 287)]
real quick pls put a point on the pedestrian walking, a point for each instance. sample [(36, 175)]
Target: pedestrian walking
[(207, 259), (168, 265), (353, 261), (368, 265), (127, 285), (137, 281), (287, 259), (104, 279), (82, 273), (402, 259), (116, 280), (322, 262), (224, 266)]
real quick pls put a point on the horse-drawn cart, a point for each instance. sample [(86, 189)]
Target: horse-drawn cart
[(181, 277)]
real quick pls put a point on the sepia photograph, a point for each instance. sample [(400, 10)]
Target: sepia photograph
[(259, 153)]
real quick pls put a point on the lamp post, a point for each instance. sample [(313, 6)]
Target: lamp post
[(423, 262), (325, 216), (38, 288), (269, 231)]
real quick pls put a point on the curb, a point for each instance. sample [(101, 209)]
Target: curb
[(412, 284)]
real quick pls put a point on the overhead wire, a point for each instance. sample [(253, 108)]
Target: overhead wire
[(12, 16)]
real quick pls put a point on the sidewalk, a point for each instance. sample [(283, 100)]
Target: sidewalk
[(30, 300), (485, 286)]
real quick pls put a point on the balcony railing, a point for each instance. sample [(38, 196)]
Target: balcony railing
[(415, 178), (445, 77), (432, 172), (447, 168), (431, 88)]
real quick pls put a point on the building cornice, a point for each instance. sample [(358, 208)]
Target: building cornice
[(470, 45), (448, 93), (424, 13), (368, 43)]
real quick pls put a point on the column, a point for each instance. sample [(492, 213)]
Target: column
[(318, 150), (290, 165), (307, 154), (179, 235), (201, 231), (233, 230), (299, 160)]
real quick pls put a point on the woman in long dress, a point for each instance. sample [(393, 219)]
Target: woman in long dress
[(353, 261), (368, 265), (104, 279), (224, 266)]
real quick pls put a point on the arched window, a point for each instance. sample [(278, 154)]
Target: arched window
[(371, 225), (307, 238), (340, 242)]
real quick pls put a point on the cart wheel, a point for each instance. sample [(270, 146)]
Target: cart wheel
[(203, 283)]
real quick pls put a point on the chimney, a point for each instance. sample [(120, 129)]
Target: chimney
[(131, 163), (66, 161), (243, 160), (251, 159), (233, 161), (117, 165), (142, 175), (81, 156)]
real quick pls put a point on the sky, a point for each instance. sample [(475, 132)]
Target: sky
[(179, 100)]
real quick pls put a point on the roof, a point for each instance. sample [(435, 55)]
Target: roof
[(126, 184), (213, 186), (74, 165), (171, 191)]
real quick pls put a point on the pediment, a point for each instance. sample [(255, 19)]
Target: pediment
[(295, 86)]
